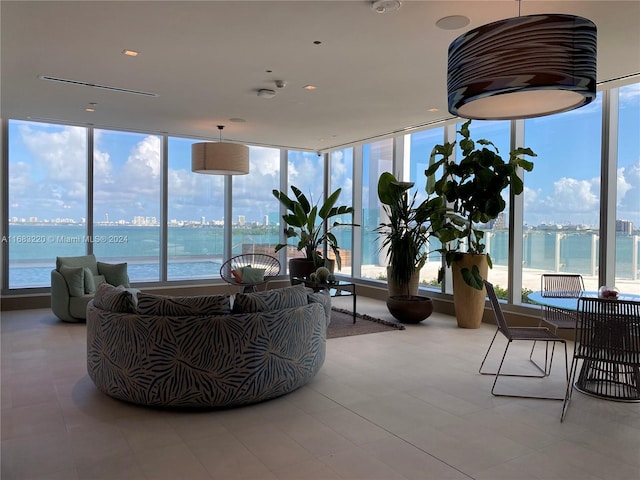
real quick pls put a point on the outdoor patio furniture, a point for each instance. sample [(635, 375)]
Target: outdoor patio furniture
[(249, 270), (558, 285), (512, 334), (608, 343)]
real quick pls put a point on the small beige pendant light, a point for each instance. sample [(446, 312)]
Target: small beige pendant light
[(220, 158)]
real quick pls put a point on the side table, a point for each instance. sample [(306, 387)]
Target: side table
[(336, 289)]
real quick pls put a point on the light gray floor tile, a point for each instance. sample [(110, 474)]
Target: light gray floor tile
[(396, 405)]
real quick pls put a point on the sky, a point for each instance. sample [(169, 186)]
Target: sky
[(47, 171)]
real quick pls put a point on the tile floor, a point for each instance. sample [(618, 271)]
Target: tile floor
[(398, 405)]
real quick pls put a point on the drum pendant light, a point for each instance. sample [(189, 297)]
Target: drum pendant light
[(522, 67), (220, 158)]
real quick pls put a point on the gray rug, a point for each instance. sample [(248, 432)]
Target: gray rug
[(342, 324)]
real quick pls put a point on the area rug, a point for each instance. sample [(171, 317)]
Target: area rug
[(342, 324)]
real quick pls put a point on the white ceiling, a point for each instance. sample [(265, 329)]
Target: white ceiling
[(205, 60)]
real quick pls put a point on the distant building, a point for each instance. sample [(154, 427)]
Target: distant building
[(624, 226), (499, 223), (241, 219)]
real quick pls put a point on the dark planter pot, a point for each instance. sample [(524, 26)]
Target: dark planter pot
[(410, 309), (301, 267)]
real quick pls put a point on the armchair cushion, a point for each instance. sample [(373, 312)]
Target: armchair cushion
[(89, 281), (74, 276), (92, 281), (88, 261), (252, 275), (114, 273)]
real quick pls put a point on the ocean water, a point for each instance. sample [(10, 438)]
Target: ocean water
[(196, 252)]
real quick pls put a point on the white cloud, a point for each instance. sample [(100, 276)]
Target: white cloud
[(61, 154), (571, 201), (572, 195), (629, 193), (629, 92)]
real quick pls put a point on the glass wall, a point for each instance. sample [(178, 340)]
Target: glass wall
[(51, 195), (496, 232), (195, 217), (562, 195), (255, 209), (341, 176), (420, 146), (47, 199), (305, 172), (628, 195), (376, 158), (126, 201)]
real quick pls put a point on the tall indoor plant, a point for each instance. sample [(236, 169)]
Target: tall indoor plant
[(311, 226), (404, 238), (473, 190)]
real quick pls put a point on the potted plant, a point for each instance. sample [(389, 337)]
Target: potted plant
[(473, 190), (404, 238), (310, 224)]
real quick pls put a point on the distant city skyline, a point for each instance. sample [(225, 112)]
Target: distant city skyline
[(622, 225)]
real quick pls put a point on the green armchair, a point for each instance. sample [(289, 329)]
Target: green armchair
[(74, 282)]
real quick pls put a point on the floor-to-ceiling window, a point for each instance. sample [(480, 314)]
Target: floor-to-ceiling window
[(126, 201), (421, 144), (195, 217), (628, 194), (562, 195), (341, 176), (496, 232), (305, 171), (47, 199), (255, 209), (376, 158), (51, 198)]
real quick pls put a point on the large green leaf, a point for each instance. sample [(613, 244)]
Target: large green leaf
[(472, 277), (304, 203), (329, 203)]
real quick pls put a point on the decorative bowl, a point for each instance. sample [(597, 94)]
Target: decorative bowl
[(608, 292)]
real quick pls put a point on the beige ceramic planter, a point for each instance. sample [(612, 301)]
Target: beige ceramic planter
[(468, 302)]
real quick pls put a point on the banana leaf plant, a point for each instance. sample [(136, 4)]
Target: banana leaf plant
[(311, 224)]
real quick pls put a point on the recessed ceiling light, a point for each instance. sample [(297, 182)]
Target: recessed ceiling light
[(89, 109), (453, 22), (433, 109), (130, 53), (309, 87)]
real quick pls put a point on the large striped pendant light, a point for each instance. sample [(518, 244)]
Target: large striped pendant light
[(523, 67)]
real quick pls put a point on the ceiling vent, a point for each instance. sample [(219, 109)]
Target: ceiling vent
[(96, 85), (385, 6)]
